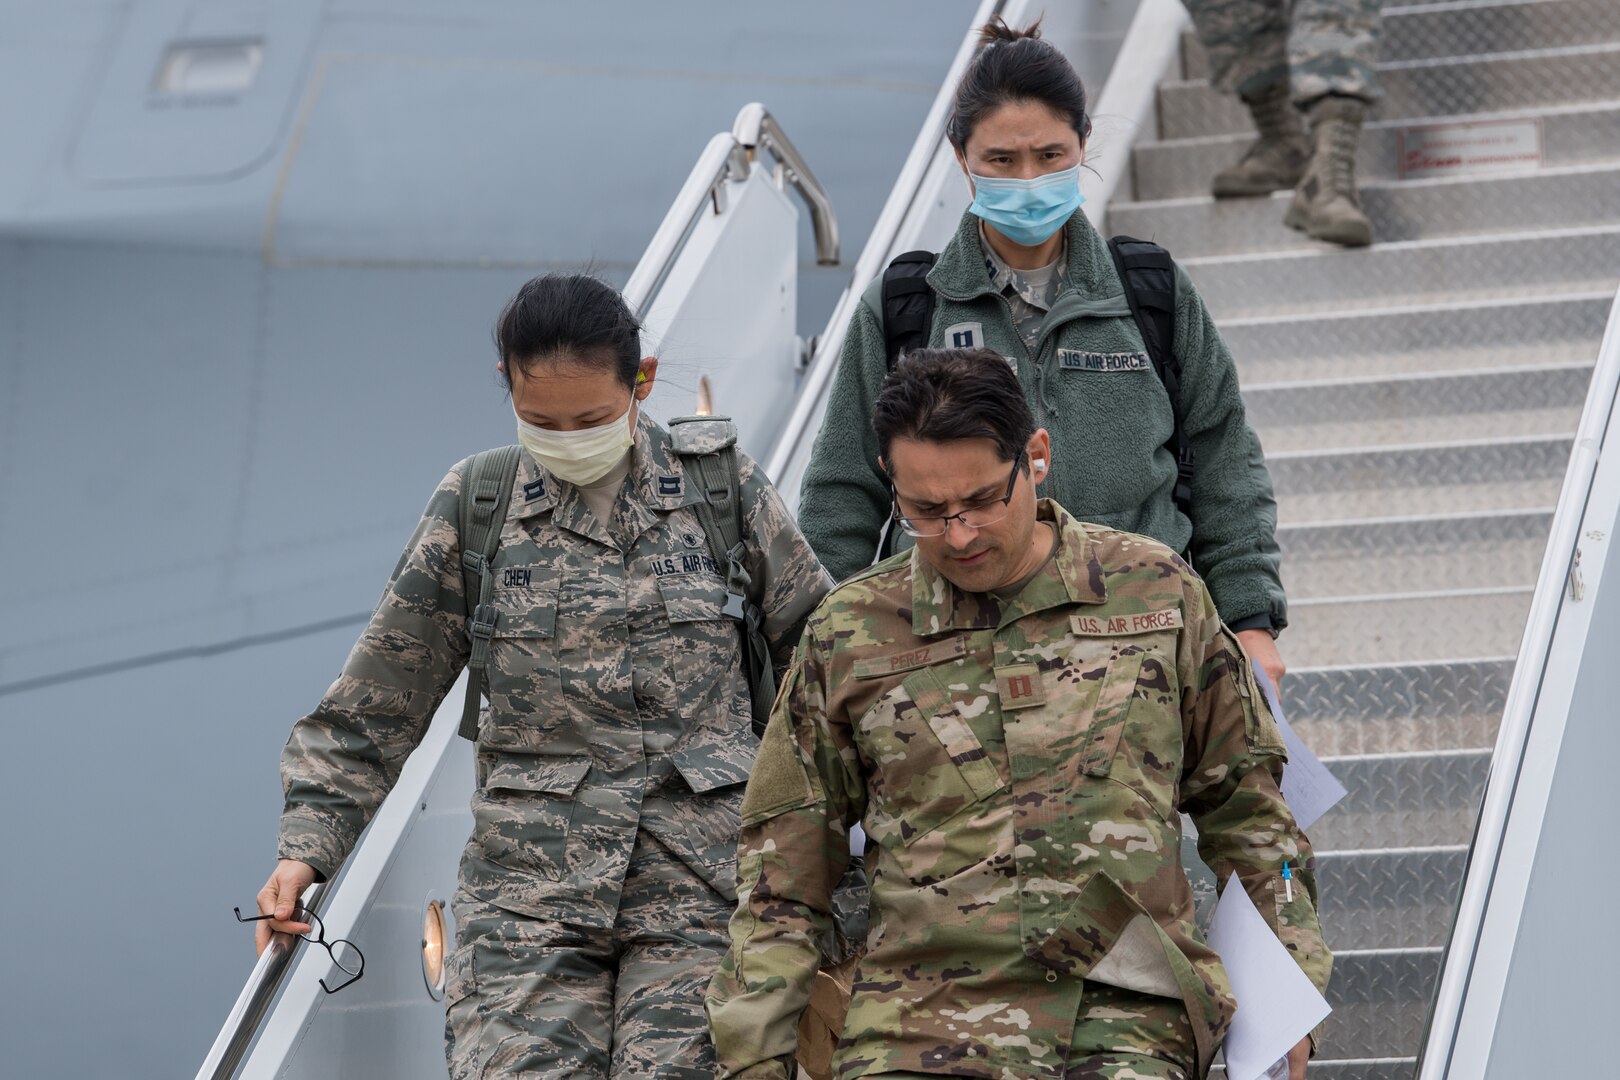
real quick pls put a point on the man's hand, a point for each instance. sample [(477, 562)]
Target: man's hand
[(1261, 647), (279, 897), (1298, 1058)]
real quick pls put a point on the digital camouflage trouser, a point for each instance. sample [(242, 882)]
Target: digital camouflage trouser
[(1316, 46), (531, 998)]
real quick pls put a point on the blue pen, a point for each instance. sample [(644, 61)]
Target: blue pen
[(1288, 884)]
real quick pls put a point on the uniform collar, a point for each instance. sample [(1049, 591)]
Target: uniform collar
[(1073, 576), (1004, 277), (656, 482), (656, 473), (959, 272)]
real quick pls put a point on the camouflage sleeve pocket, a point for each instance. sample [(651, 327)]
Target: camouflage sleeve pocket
[(779, 782), (1260, 728)]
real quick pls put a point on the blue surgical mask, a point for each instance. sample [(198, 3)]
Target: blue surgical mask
[(1027, 212)]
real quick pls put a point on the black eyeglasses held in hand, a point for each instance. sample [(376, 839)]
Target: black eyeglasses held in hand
[(344, 953)]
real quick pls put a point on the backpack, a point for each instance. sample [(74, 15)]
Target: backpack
[(706, 447), (1149, 276)]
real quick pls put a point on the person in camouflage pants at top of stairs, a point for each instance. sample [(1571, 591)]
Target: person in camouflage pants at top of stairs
[(1284, 58)]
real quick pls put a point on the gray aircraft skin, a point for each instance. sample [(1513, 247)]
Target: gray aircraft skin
[(245, 300)]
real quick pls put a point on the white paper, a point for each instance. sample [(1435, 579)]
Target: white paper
[(1307, 787), (1277, 1004)]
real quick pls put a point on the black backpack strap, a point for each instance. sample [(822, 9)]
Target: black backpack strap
[(908, 304), (706, 446), (485, 492), (1149, 276)]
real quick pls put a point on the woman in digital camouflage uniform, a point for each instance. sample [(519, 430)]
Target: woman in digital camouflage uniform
[(597, 883)]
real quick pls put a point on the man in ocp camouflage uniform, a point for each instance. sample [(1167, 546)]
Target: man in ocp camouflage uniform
[(1284, 57), (1016, 711)]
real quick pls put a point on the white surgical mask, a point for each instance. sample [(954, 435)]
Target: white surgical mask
[(583, 456)]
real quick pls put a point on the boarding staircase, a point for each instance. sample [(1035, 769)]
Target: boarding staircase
[(1417, 402)]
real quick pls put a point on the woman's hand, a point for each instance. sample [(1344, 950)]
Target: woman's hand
[(279, 897), (1261, 647)]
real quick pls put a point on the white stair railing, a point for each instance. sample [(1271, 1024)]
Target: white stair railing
[(1490, 948)]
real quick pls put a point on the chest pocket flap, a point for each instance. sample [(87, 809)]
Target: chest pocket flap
[(692, 597), (525, 614), (928, 690)]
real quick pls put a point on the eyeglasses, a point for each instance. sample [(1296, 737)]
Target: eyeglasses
[(974, 517), (344, 953)]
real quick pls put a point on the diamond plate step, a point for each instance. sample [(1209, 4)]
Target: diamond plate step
[(1323, 1068), (1413, 554), (1391, 899), (1467, 29), (1428, 799), (1405, 628), (1577, 195), (1397, 708), (1447, 406), (1183, 168), (1350, 1069), (1407, 340), (1357, 1069), (1512, 268), (1488, 474), (1380, 1001), (1420, 89)]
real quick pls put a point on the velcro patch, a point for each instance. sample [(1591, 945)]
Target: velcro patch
[(1020, 686), (966, 335), (935, 652), (1104, 363), (1143, 622)]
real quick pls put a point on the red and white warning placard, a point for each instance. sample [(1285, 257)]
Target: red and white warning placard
[(1469, 148)]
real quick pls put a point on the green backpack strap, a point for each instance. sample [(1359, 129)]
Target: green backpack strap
[(485, 493), (706, 446)]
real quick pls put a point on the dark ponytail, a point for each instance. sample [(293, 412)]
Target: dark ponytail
[(569, 318), (1016, 65)]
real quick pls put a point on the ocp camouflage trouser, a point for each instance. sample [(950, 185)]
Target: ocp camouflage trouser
[(1316, 46), (532, 998), (1120, 1035)]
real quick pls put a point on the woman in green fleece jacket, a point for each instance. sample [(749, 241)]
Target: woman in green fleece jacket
[(1027, 276)]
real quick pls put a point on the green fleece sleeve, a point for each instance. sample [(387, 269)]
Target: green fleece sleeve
[(844, 500), (1234, 539)]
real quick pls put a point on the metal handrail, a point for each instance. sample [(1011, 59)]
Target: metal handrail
[(1508, 758), (253, 1003), (702, 188), (755, 127), (728, 158), (902, 197)]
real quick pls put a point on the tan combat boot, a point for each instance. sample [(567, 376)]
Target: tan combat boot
[(1274, 161), (1326, 204)]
